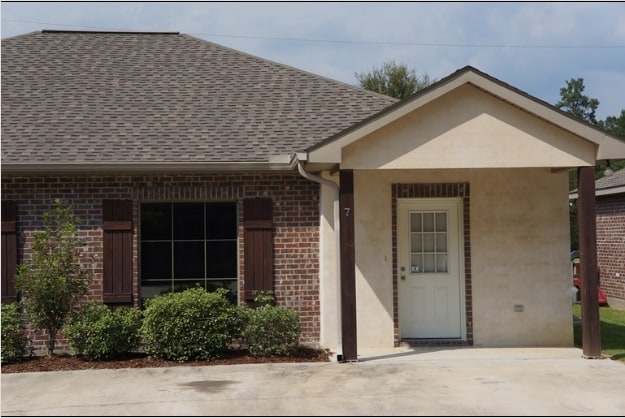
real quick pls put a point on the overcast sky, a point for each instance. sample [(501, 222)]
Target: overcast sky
[(535, 47)]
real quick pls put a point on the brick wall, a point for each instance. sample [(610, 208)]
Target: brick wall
[(296, 223), (611, 244)]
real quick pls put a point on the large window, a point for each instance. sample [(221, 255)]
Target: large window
[(187, 243)]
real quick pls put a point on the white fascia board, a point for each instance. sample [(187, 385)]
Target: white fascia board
[(611, 149), (611, 190)]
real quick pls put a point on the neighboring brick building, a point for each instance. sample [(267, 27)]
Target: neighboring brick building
[(610, 195), (439, 219)]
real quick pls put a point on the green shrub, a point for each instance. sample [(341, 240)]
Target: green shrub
[(264, 297), (14, 342), (190, 325), (55, 277), (97, 332), (271, 331)]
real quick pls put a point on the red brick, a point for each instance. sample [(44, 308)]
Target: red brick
[(296, 217)]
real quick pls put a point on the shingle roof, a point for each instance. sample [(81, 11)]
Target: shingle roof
[(615, 180), (102, 97)]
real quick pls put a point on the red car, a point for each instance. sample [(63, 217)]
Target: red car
[(578, 283)]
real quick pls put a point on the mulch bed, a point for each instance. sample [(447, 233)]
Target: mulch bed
[(61, 362)]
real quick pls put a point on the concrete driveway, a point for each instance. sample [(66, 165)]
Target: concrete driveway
[(450, 381)]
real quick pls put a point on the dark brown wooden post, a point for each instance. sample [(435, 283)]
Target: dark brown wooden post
[(591, 332), (348, 267)]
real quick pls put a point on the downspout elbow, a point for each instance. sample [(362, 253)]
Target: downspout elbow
[(317, 179)]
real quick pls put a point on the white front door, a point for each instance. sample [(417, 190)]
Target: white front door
[(429, 270)]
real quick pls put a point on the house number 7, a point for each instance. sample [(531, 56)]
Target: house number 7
[(347, 210)]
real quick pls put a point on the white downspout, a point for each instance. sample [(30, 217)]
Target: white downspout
[(301, 158)]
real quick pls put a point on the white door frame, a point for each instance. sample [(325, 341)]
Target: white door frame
[(403, 206)]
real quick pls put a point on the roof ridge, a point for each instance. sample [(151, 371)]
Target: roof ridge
[(117, 32), (300, 70)]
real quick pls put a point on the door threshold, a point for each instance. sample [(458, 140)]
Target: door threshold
[(431, 342)]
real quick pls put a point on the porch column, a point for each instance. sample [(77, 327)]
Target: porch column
[(591, 332), (348, 266)]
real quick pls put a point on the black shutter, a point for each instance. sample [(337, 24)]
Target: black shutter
[(258, 248), (9, 251), (117, 266)]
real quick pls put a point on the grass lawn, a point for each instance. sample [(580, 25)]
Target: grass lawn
[(612, 331)]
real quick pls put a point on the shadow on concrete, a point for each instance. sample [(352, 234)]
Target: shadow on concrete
[(409, 352)]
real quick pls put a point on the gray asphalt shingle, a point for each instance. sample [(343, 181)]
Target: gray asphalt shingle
[(141, 97), (615, 180)]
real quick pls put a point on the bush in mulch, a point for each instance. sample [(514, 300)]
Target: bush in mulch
[(14, 341), (99, 333), (190, 325)]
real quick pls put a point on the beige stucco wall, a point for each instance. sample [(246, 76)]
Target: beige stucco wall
[(519, 216), (329, 299), (468, 128), (519, 248)]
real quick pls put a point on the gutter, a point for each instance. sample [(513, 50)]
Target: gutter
[(301, 158), (602, 192), (274, 163)]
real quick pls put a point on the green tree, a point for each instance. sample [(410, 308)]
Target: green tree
[(615, 124), (53, 280), (574, 101), (394, 80)]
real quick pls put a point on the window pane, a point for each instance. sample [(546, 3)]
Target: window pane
[(188, 221), (428, 243), (416, 263), (441, 222), (221, 220), (441, 243), (428, 263), (441, 263), (416, 246), (155, 260), (189, 260), (415, 222), (180, 285), (428, 222), (221, 259), (156, 221), (150, 290)]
